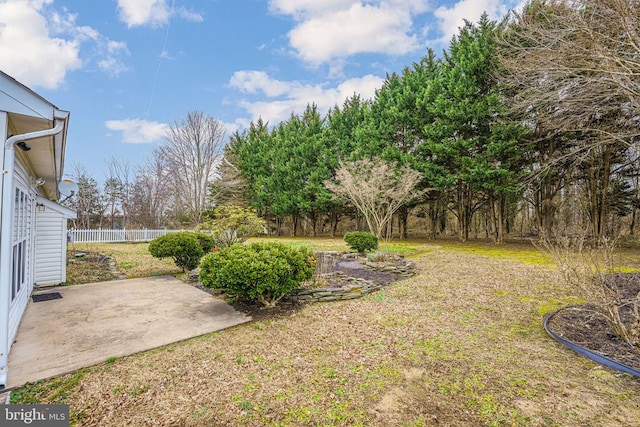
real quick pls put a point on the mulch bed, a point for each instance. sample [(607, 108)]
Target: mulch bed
[(354, 268), (583, 325)]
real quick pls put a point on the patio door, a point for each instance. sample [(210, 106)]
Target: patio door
[(21, 252)]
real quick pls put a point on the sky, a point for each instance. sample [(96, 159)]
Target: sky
[(129, 69)]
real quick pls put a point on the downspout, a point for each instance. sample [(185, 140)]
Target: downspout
[(6, 235)]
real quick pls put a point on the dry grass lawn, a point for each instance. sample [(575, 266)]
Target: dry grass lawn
[(132, 260), (460, 344)]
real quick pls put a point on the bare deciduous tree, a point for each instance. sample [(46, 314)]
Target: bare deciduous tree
[(150, 197), (571, 63), (120, 172), (376, 188), (86, 202), (572, 68), (192, 152), (229, 186)]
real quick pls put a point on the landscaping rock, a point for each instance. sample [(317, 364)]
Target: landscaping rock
[(194, 275)]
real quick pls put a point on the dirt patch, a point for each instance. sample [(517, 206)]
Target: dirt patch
[(584, 326), (89, 267)]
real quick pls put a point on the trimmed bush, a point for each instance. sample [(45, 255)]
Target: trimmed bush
[(264, 272), (206, 242), (361, 241), (182, 246)]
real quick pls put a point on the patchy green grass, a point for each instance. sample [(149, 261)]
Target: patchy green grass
[(403, 247), (57, 389), (521, 251), (459, 344)]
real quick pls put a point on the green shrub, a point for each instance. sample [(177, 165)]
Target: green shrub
[(361, 241), (264, 272), (206, 242), (379, 256), (182, 246)]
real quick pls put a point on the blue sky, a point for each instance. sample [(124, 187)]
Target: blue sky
[(127, 69)]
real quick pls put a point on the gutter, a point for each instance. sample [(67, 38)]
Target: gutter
[(6, 211)]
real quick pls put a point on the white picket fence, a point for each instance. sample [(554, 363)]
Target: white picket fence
[(103, 235)]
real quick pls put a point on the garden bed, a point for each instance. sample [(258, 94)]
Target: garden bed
[(341, 276), (583, 326)]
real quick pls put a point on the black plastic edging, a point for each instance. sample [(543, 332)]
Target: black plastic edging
[(598, 358)]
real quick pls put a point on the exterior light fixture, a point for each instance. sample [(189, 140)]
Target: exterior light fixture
[(40, 181), (23, 146)]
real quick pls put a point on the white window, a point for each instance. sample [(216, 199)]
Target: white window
[(21, 227)]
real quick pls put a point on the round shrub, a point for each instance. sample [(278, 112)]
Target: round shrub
[(182, 246), (361, 241), (263, 272), (206, 242)]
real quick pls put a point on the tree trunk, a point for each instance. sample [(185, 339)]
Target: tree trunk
[(278, 226), (544, 206), (500, 219), (314, 223), (294, 219), (435, 214), (433, 231), (463, 209), (599, 179), (403, 216)]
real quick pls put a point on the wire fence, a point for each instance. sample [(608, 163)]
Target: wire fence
[(103, 235)]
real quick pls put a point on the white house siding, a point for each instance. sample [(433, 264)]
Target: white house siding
[(22, 248), (51, 243)]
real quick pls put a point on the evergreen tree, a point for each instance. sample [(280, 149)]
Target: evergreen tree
[(470, 146)]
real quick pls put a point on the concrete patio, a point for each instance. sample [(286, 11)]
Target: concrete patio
[(93, 322)]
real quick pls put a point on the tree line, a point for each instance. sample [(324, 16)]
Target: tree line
[(530, 123), (525, 125)]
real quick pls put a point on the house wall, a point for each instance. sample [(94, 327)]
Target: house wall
[(51, 245), (4, 301)]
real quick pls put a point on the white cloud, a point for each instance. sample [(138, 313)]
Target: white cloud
[(143, 12), (108, 54), (259, 81), (154, 13), (285, 98), (452, 18), (300, 8), (39, 45), (189, 15), (331, 30), (138, 131), (112, 66), (28, 52)]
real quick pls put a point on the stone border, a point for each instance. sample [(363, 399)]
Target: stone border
[(406, 269), (355, 289)]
